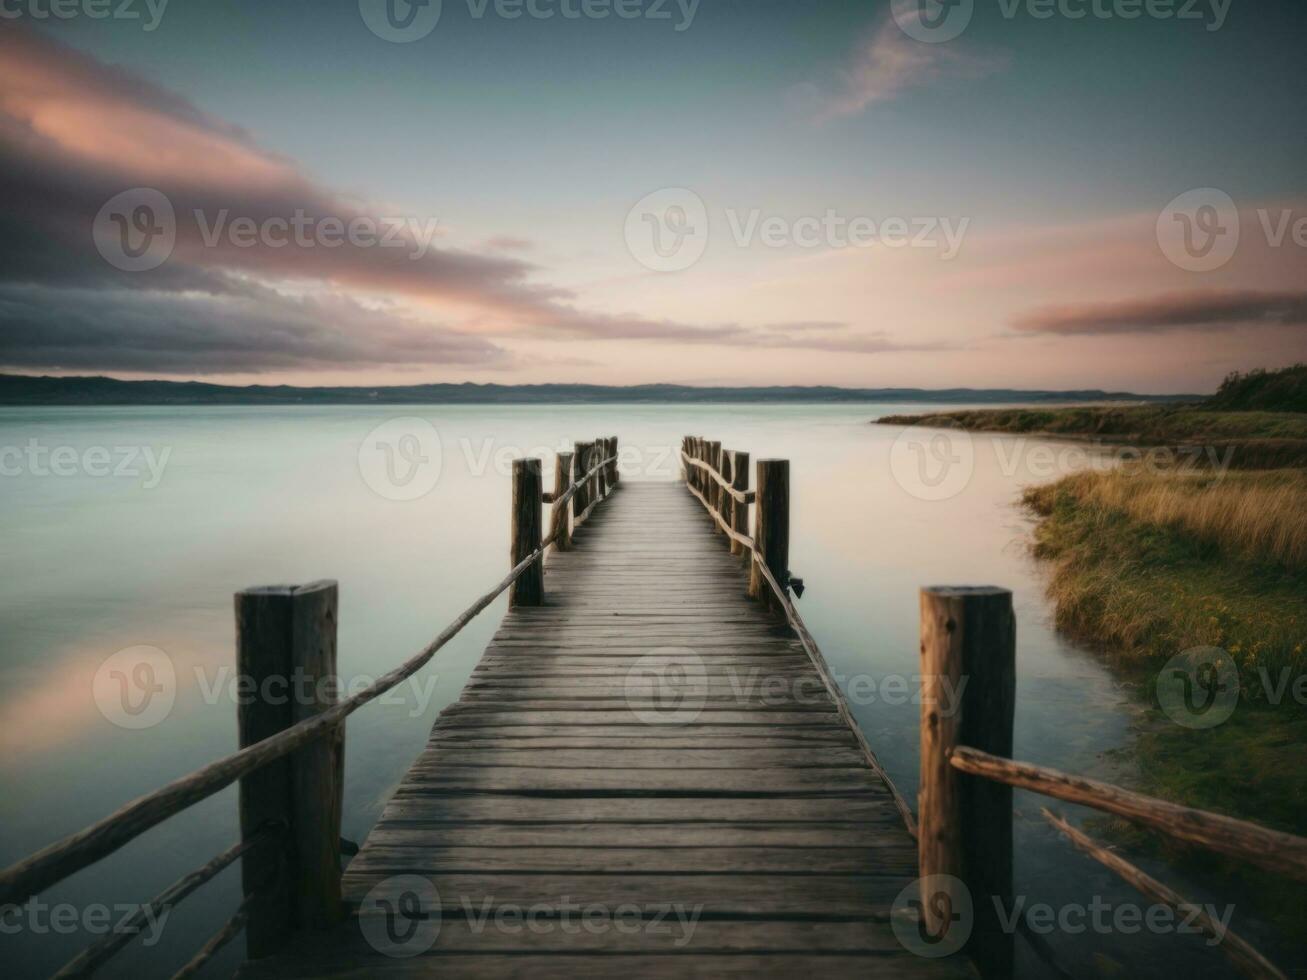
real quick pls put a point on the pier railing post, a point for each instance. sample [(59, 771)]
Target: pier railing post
[(713, 457), (580, 453), (528, 498), (725, 507), (772, 530), (615, 475), (286, 656), (739, 510), (968, 667), (607, 472), (561, 528)]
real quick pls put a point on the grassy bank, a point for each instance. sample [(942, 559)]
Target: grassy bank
[(1251, 440), (1145, 565), (1258, 419)]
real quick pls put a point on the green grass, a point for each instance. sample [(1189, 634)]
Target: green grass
[(1142, 571), (1145, 566)]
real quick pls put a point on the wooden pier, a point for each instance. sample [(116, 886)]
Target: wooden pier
[(651, 773), (647, 740)]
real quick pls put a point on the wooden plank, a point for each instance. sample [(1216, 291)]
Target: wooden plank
[(847, 897), (603, 966), (423, 858), (601, 835), (491, 808), (643, 782), (657, 758)]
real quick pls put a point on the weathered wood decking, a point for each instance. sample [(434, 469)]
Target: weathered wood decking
[(648, 740)]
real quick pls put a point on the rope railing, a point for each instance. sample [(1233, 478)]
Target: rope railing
[(733, 534), (77, 851), (229, 931), (99, 952), (742, 496), (564, 498)]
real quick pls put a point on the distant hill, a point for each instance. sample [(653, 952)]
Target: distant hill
[(27, 390), (1262, 391)]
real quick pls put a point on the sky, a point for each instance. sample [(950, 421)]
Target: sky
[(989, 193)]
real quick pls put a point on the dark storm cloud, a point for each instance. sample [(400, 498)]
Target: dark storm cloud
[(74, 133)]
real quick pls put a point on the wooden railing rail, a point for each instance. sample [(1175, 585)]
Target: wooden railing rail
[(742, 496), (282, 630), (100, 952), (968, 664), (1244, 957), (1270, 850)]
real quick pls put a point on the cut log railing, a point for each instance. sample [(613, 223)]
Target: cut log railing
[(291, 762), (1270, 850), (1245, 958), (967, 775)]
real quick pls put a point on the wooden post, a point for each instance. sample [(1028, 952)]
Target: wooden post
[(696, 452), (286, 657), (605, 474), (596, 481), (724, 503), (968, 667), (580, 453), (740, 511), (616, 474), (772, 531), (723, 498), (712, 456), (528, 490), (561, 527)]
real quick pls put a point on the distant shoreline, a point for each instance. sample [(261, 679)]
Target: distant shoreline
[(17, 390)]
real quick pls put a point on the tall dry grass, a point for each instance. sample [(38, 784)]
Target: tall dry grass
[(1257, 516)]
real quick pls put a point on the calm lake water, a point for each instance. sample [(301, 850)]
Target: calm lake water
[(93, 564)]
